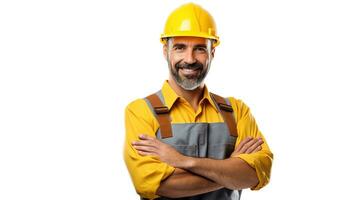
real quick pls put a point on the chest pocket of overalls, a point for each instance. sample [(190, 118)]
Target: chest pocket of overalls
[(188, 138)]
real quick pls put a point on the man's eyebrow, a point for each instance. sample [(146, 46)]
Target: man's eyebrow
[(179, 45), (201, 45)]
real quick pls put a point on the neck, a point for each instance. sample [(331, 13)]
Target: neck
[(193, 97)]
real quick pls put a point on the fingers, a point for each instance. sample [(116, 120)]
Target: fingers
[(256, 146), (257, 149), (147, 149), (145, 140), (249, 145), (143, 143), (146, 146), (145, 137), (240, 145), (143, 153)]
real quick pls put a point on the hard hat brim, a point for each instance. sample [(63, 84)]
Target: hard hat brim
[(183, 34)]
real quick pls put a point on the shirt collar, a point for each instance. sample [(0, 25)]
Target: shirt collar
[(170, 96)]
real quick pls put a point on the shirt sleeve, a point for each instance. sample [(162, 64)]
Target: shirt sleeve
[(146, 172), (262, 160)]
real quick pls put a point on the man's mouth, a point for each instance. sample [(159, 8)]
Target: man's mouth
[(189, 71)]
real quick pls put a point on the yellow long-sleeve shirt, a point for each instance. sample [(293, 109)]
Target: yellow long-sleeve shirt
[(147, 172)]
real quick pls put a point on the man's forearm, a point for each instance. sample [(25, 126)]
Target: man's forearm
[(232, 173), (183, 184)]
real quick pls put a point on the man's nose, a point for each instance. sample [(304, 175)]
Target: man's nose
[(190, 57)]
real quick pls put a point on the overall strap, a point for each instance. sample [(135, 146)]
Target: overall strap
[(226, 111), (161, 114)]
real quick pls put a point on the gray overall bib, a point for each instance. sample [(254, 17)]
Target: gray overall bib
[(204, 140)]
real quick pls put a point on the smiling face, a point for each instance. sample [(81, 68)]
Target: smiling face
[(189, 59)]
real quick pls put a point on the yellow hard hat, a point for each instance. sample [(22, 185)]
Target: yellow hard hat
[(190, 20)]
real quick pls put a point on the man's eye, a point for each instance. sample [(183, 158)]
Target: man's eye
[(178, 48), (201, 49)]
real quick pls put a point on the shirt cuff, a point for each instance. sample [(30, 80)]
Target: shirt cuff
[(262, 165)]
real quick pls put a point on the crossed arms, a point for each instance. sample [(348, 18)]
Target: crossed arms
[(193, 176)]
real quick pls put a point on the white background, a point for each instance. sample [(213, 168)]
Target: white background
[(68, 68)]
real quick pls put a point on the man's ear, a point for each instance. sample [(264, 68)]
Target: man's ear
[(212, 52), (164, 50)]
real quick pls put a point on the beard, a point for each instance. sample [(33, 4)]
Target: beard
[(191, 80)]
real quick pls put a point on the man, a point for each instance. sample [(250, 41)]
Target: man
[(185, 142)]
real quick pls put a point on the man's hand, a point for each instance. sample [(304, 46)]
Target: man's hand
[(150, 146), (248, 145)]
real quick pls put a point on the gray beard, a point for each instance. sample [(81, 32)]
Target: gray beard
[(188, 83)]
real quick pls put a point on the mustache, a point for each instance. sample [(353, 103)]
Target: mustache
[(196, 65)]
